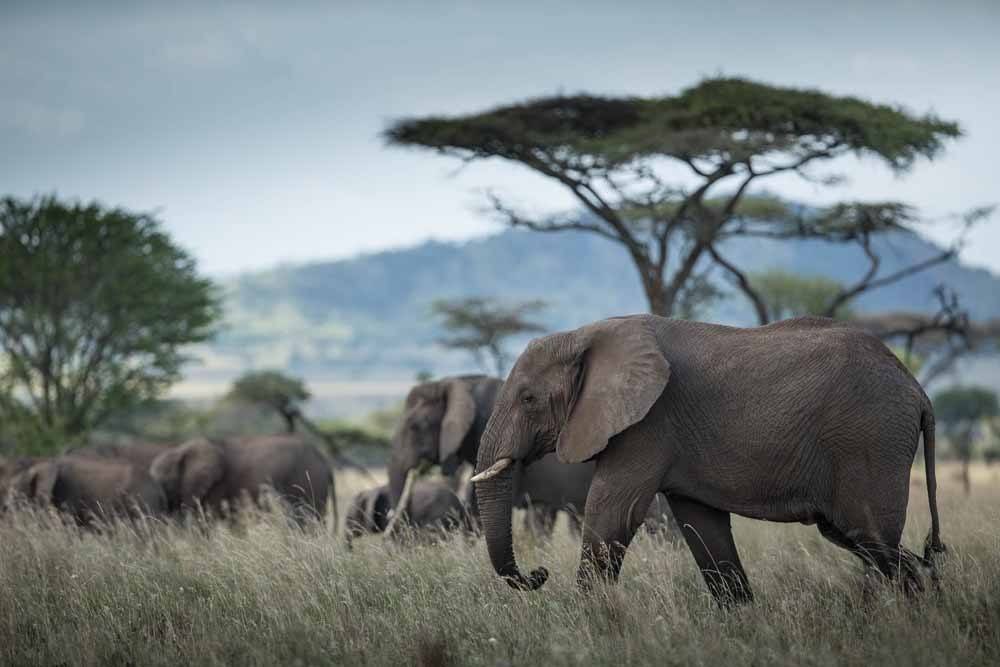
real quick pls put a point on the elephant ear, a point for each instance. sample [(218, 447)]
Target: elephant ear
[(621, 373), (459, 414), (202, 466)]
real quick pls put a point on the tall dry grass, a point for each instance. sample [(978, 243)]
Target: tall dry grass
[(267, 594)]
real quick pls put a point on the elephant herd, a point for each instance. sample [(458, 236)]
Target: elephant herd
[(442, 424), (104, 482), (806, 420)]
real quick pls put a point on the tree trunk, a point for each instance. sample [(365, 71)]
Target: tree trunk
[(289, 417), (966, 481), (656, 295)]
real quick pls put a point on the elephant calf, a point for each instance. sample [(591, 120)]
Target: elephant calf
[(432, 505), (217, 474), (89, 490)]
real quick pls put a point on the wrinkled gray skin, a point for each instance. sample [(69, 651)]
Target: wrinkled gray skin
[(804, 420), (432, 505), (88, 489), (443, 422), (218, 474)]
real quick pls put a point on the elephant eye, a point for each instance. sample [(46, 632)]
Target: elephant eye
[(528, 398)]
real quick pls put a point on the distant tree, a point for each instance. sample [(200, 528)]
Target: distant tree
[(96, 306), (274, 390), (932, 344), (423, 375), (790, 295), (481, 326), (727, 135), (961, 410)]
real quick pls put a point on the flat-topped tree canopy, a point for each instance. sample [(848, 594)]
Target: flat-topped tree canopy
[(726, 133), (717, 121)]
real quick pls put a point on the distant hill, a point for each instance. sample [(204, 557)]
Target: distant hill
[(367, 318)]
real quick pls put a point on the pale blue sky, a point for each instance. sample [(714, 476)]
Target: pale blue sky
[(253, 128)]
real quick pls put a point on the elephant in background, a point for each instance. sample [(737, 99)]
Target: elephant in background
[(88, 489), (805, 420), (431, 505), (215, 475), (443, 422)]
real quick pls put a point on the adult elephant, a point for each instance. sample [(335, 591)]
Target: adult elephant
[(216, 474), (431, 505), (442, 423), (805, 420), (89, 489)]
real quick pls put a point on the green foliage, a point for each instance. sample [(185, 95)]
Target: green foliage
[(167, 421), (273, 389), (96, 306), (790, 295), (959, 405), (720, 117), (483, 325), (961, 410)]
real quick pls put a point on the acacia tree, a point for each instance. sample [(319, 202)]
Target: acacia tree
[(481, 325), (96, 306), (274, 390), (789, 295), (726, 135), (935, 342)]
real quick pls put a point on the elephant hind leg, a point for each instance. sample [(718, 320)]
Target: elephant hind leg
[(709, 535), (891, 561)]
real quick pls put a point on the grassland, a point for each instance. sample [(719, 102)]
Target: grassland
[(266, 594)]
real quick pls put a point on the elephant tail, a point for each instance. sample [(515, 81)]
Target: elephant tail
[(933, 544)]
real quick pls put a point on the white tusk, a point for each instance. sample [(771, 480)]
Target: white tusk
[(493, 470)]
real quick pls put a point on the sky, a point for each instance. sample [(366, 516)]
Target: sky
[(253, 129)]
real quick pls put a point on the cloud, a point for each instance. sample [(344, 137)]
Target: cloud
[(40, 119), (206, 52)]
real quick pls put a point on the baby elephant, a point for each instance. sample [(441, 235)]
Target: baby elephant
[(432, 506), (89, 490)]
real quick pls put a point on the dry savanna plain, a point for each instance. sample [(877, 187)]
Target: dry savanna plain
[(265, 593)]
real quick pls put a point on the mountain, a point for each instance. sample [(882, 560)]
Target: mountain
[(368, 318)]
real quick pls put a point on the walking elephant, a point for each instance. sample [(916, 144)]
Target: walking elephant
[(805, 420), (442, 423), (432, 505), (89, 490), (217, 474)]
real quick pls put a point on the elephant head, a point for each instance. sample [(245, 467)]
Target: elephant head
[(569, 392), (437, 418), (188, 471)]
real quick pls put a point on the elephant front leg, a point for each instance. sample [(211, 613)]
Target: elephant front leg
[(709, 535), (619, 497)]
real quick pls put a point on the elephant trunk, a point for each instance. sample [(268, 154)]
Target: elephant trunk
[(401, 462), (495, 496)]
